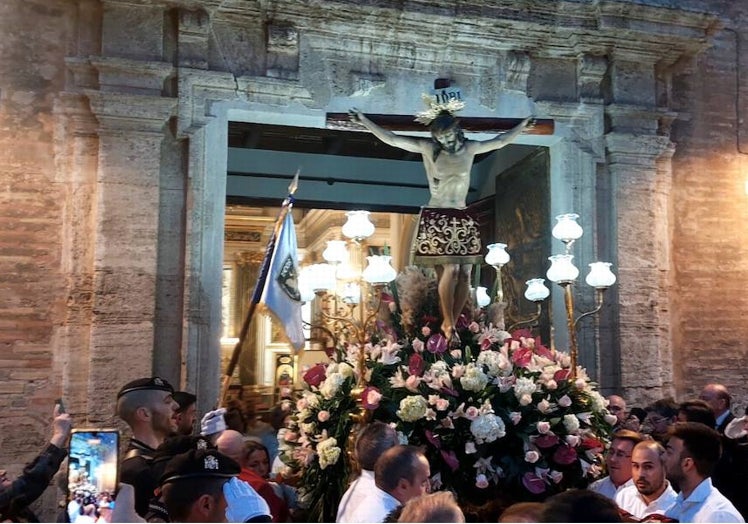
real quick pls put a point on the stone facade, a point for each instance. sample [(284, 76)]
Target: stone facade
[(113, 122)]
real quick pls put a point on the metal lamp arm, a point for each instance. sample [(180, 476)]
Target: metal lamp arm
[(598, 300)]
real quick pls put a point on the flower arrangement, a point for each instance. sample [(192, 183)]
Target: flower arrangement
[(497, 412)]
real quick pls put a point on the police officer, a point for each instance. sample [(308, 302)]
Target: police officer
[(147, 406), (201, 486)]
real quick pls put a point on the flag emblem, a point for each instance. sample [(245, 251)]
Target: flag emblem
[(288, 279)]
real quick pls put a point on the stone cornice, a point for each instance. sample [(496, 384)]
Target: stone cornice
[(487, 26), (132, 76), (134, 113), (638, 150)]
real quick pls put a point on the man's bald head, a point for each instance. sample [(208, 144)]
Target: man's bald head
[(231, 444), (718, 398)]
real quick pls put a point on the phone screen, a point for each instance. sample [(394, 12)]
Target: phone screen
[(92, 474)]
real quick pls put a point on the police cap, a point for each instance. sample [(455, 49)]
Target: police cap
[(152, 383), (199, 463)]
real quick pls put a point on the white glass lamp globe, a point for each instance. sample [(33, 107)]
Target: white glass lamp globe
[(497, 255), (306, 288), (481, 296), (567, 229), (536, 290), (379, 270), (335, 252), (352, 293), (600, 275), (322, 277), (562, 269), (358, 225)]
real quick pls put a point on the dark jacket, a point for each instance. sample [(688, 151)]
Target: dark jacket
[(15, 499)]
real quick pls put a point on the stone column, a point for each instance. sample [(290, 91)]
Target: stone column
[(125, 261), (639, 170)]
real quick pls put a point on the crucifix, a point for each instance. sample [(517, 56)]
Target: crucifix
[(447, 236)]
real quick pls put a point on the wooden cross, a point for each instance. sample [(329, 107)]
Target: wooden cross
[(343, 122)]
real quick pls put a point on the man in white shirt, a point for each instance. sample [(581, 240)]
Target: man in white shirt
[(651, 492), (692, 451), (618, 464), (373, 440), (401, 473)]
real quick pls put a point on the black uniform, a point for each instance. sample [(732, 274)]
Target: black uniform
[(136, 471)]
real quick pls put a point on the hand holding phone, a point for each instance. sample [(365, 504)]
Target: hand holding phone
[(61, 426)]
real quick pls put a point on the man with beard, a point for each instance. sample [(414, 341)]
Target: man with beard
[(447, 236), (651, 492), (147, 406), (692, 451)]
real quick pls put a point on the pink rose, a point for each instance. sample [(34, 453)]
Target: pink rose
[(544, 427), (456, 353), (315, 375), (370, 397), (425, 331), (481, 481), (533, 483), (474, 327), (532, 456), (556, 476), (418, 345), (472, 413), (572, 440), (416, 365), (565, 455), (442, 404), (436, 344), (564, 401), (323, 416), (290, 436)]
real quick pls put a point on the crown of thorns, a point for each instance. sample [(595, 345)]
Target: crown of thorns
[(435, 108)]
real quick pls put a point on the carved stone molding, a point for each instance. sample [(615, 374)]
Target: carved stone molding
[(591, 70), (517, 71), (132, 76), (133, 113)]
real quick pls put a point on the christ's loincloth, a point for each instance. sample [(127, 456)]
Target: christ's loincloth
[(446, 236)]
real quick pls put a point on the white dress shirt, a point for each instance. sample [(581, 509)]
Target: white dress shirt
[(704, 504), (632, 501), (375, 506), (605, 487), (354, 495)]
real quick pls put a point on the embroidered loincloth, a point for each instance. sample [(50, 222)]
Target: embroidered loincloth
[(446, 236)]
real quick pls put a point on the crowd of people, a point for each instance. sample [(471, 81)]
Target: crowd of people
[(667, 462)]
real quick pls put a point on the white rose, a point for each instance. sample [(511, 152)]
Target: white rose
[(611, 419), (572, 440), (564, 401), (470, 448)]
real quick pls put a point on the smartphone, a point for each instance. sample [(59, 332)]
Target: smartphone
[(93, 474)]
